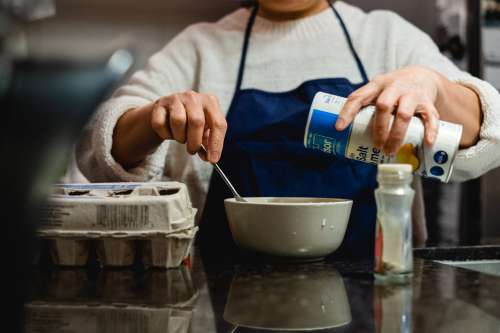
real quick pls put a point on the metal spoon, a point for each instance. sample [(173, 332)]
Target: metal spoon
[(224, 178)]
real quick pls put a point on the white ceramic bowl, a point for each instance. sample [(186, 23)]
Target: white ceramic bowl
[(294, 228)]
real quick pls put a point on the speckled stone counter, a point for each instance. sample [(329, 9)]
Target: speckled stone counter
[(329, 296), (462, 253)]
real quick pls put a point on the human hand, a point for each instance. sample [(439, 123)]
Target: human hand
[(192, 118), (404, 93)]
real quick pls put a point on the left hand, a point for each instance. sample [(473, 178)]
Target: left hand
[(404, 93)]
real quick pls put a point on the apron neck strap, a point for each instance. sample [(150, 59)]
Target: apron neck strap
[(248, 32), (347, 35), (244, 50)]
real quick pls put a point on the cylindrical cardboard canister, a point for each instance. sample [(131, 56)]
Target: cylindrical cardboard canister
[(355, 142)]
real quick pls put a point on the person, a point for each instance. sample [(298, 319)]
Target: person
[(242, 86)]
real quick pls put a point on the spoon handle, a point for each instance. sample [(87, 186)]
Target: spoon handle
[(225, 179)]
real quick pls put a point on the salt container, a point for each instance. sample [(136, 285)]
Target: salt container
[(393, 243), (356, 142)]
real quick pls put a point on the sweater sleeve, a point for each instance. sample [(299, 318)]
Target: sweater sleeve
[(168, 71), (414, 47)]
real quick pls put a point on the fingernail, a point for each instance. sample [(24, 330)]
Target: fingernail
[(340, 124), (213, 157)]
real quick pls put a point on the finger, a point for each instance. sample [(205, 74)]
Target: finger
[(406, 109), (357, 100), (201, 152), (217, 124), (159, 121), (385, 105), (206, 135), (195, 121), (430, 117), (177, 119)]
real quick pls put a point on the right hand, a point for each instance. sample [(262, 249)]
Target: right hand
[(192, 118)]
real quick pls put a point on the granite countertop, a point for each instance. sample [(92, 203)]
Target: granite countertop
[(208, 296)]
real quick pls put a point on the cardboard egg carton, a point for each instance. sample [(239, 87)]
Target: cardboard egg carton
[(118, 218)]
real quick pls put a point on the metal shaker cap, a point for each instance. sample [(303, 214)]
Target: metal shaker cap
[(394, 172)]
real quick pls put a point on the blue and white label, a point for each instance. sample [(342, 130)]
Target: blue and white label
[(323, 136), (353, 143)]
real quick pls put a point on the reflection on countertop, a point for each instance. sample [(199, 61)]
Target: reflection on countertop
[(74, 300), (288, 299), (331, 296)]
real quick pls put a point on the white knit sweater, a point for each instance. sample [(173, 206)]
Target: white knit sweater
[(281, 56)]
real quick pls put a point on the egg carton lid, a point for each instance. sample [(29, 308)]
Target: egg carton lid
[(117, 208), (120, 189), (185, 229)]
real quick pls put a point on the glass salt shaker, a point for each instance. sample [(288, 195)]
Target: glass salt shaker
[(393, 243)]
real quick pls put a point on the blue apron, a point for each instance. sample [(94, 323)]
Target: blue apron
[(264, 155)]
